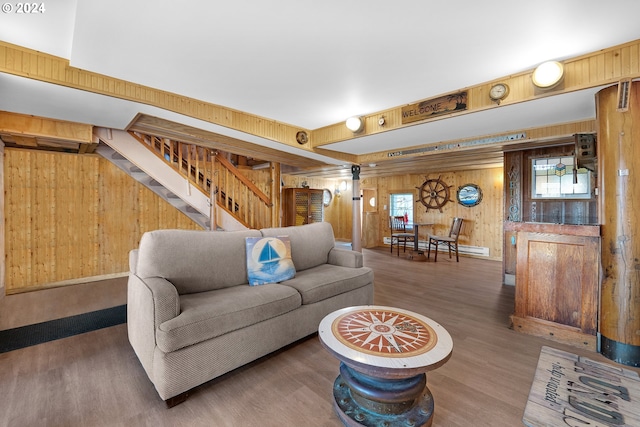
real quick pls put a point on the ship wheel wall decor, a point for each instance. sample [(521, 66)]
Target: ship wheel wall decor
[(434, 193)]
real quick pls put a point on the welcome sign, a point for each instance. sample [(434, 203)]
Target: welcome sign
[(434, 107), (569, 390)]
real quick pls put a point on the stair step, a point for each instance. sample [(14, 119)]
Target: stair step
[(154, 185)]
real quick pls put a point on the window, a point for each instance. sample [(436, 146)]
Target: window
[(401, 204), (554, 178)]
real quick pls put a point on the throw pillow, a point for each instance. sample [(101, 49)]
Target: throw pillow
[(269, 260)]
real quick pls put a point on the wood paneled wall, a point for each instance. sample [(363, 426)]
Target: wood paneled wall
[(2, 222), (70, 217), (483, 223), (338, 213)]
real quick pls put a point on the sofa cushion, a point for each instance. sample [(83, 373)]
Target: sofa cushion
[(210, 314), (310, 243), (195, 261), (269, 260), (326, 280)]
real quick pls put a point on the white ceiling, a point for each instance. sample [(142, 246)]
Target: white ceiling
[(312, 64)]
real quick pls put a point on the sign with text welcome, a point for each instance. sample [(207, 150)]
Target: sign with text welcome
[(569, 390), (434, 107)]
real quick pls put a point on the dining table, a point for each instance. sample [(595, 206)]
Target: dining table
[(416, 227)]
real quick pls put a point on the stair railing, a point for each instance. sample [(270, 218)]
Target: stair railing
[(235, 193)]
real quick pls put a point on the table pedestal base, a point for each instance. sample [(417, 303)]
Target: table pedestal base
[(363, 400), (417, 256)]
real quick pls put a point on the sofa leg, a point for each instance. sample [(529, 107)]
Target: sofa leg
[(176, 400)]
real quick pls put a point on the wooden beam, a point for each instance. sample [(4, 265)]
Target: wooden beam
[(21, 125), (32, 64), (25, 141)]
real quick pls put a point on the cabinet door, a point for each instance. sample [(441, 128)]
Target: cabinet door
[(316, 205), (301, 203), (302, 206)]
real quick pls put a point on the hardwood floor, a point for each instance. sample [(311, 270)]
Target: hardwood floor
[(95, 378), (54, 303)]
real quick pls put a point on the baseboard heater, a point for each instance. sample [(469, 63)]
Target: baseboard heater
[(463, 249)]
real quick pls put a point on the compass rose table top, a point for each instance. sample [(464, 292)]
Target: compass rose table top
[(386, 340)]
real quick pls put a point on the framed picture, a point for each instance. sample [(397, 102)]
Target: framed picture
[(469, 195)]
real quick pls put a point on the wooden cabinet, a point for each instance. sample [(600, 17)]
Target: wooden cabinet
[(557, 282), (302, 206), (370, 225)]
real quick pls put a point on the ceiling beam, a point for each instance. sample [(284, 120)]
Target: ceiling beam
[(39, 127), (606, 66)]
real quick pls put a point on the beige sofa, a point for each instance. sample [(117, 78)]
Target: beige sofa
[(192, 315)]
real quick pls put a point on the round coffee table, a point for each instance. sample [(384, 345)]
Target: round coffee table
[(384, 354)]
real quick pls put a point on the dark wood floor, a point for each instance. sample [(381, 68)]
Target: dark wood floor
[(95, 378)]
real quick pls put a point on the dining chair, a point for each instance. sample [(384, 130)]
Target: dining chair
[(451, 240), (399, 233)]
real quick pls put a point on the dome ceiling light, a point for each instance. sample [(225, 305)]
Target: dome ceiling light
[(548, 74), (355, 124)]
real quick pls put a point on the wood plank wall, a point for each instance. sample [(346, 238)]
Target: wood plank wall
[(338, 213), (483, 223), (70, 217)]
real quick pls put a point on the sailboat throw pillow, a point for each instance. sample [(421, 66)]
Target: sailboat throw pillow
[(269, 260)]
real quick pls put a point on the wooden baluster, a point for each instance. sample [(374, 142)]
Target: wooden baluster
[(213, 196), (196, 152), (274, 209)]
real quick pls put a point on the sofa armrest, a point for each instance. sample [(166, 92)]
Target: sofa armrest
[(150, 302), (166, 300), (133, 260), (345, 258)]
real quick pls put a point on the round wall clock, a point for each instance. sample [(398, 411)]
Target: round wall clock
[(469, 195), (326, 197), (498, 91), (302, 137)]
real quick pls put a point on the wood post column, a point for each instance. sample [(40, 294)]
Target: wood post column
[(356, 223), (619, 184)]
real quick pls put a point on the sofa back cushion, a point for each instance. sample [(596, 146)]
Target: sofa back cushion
[(195, 261), (310, 243)]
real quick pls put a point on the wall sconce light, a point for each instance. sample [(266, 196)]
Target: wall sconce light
[(355, 124), (548, 74), (340, 188)]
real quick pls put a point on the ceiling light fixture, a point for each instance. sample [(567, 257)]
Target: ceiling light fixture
[(548, 74), (355, 124)]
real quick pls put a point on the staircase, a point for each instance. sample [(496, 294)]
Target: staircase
[(180, 173), (143, 178)]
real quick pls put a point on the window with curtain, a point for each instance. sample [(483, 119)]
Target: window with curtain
[(402, 204)]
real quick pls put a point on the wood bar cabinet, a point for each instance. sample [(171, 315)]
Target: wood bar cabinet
[(557, 281), (302, 206)]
